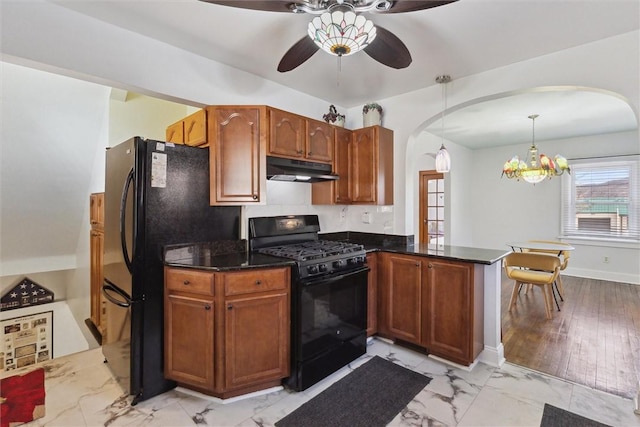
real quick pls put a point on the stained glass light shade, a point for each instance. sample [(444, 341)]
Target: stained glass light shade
[(341, 33)]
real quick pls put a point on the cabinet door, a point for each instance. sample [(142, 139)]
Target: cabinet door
[(372, 295), (96, 210), (286, 134), (237, 154), (404, 297), (96, 247), (256, 344), (448, 310), (195, 129), (319, 141), (188, 344), (342, 163), (175, 133), (364, 172)]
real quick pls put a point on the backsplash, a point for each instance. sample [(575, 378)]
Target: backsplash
[(292, 198)]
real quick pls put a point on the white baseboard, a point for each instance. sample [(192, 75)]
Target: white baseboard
[(603, 275)]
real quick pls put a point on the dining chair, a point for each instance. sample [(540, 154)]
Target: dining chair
[(565, 261), (533, 268)]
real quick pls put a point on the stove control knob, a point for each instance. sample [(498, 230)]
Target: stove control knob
[(312, 269), (323, 268), (339, 263), (353, 261)]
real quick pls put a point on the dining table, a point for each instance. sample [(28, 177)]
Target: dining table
[(539, 246)]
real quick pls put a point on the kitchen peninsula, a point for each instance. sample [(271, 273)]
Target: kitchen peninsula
[(445, 300)]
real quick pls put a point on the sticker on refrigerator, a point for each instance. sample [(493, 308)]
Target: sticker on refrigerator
[(159, 170)]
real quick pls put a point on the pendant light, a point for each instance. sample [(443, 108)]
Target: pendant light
[(443, 160)]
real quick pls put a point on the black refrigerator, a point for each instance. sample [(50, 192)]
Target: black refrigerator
[(156, 194)]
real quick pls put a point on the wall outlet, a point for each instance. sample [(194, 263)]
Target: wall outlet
[(605, 260), (366, 217)]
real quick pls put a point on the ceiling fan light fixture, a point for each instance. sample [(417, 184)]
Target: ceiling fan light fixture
[(341, 33)]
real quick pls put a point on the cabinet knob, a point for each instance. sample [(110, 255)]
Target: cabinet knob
[(186, 282), (417, 264), (255, 197), (309, 153), (299, 151), (430, 265), (230, 307), (207, 307), (258, 282)]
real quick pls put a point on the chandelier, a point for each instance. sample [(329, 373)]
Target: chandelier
[(538, 167), (341, 32)]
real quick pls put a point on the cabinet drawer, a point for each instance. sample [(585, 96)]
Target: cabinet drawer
[(243, 282), (189, 281)]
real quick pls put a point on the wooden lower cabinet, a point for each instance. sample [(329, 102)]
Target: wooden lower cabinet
[(401, 297), (433, 303), (189, 338), (96, 255), (240, 343)]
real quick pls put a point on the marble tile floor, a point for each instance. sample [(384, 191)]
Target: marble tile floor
[(82, 392)]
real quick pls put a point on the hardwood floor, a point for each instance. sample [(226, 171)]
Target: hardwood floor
[(594, 340)]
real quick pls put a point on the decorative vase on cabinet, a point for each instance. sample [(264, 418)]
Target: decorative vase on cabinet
[(372, 115)]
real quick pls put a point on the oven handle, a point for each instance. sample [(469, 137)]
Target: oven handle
[(325, 280)]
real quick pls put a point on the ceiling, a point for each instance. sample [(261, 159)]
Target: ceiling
[(459, 39)]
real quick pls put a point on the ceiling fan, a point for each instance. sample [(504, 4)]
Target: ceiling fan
[(340, 29)]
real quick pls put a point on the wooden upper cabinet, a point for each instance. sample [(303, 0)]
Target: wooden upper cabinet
[(297, 137), (195, 129), (192, 130), (237, 166), (319, 141), (364, 162), (286, 134), (342, 165), (175, 133), (372, 166)]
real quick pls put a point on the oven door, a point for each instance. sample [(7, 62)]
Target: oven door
[(331, 313)]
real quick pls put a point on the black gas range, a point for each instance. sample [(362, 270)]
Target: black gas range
[(328, 298)]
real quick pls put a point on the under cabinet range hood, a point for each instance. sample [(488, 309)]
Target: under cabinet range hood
[(281, 169)]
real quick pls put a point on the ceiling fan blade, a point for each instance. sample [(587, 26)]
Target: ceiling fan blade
[(400, 6), (299, 52), (268, 5), (388, 49)]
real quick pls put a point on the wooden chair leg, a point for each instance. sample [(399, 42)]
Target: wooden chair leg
[(560, 287), (514, 295), (548, 305)]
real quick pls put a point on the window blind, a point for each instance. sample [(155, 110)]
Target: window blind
[(601, 199)]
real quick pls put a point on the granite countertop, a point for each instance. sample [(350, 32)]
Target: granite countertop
[(455, 253), (219, 256), (373, 242), (234, 255)]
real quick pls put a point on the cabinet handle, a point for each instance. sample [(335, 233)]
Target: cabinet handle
[(258, 282), (186, 282), (417, 264), (309, 153), (299, 151), (430, 265), (230, 306), (207, 307)]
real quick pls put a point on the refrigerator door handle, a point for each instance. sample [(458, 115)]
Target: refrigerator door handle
[(123, 224), (108, 288)]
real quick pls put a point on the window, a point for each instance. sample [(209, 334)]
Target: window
[(431, 207), (600, 199)]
